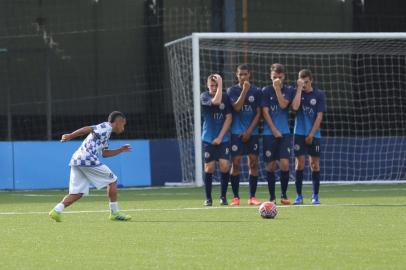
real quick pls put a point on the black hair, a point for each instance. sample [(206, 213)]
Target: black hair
[(114, 115), (244, 67), (278, 68), (306, 73)]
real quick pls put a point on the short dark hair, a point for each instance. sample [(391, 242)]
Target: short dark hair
[(305, 73), (278, 68), (244, 67), (114, 115)]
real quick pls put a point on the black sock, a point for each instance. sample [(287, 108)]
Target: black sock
[(270, 177), (235, 185), (284, 183), (316, 182), (208, 181), (299, 182), (225, 177), (253, 182)]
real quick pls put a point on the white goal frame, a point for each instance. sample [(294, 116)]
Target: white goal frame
[(196, 37)]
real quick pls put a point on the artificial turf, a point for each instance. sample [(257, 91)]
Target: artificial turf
[(356, 227)]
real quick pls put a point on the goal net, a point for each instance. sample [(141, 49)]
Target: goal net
[(362, 74)]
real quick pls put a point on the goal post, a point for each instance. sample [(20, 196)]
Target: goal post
[(363, 75)]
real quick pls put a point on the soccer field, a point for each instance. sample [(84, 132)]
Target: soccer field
[(356, 227)]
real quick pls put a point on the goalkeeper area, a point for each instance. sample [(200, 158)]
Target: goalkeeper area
[(356, 227)]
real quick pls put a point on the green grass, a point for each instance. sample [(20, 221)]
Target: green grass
[(356, 227)]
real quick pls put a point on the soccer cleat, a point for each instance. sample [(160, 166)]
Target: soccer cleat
[(285, 201), (298, 200), (118, 216), (235, 201), (253, 201), (315, 199), (208, 202), (55, 215), (223, 201)]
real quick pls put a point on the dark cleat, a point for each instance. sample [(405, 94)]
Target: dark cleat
[(223, 201)]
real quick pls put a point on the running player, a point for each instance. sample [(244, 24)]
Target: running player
[(86, 168)]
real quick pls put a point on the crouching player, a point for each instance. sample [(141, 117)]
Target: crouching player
[(217, 119), (277, 140), (309, 103), (87, 169), (245, 99)]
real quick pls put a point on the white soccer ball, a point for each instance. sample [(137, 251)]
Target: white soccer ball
[(268, 210)]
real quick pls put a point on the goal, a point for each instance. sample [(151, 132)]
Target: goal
[(362, 74)]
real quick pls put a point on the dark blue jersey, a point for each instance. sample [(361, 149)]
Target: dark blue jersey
[(243, 119), (214, 117), (280, 117), (310, 104)]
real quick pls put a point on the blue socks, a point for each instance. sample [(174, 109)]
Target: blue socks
[(253, 182), (270, 178), (235, 185), (224, 183), (316, 182), (299, 182), (284, 183), (208, 181)]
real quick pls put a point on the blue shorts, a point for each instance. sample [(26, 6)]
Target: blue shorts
[(238, 148), (215, 152), (277, 148), (301, 148)]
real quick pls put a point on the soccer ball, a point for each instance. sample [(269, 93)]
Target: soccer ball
[(268, 210)]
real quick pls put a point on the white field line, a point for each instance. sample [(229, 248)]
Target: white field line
[(198, 208), (104, 195), (189, 193)]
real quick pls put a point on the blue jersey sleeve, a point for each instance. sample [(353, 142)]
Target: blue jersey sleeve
[(205, 99), (321, 107), (227, 102), (233, 95), (290, 93), (265, 97), (259, 97)]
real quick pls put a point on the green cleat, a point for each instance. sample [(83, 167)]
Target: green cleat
[(55, 215), (120, 216)]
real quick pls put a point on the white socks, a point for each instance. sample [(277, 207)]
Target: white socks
[(59, 207), (113, 207)]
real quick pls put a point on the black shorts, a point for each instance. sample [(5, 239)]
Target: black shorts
[(301, 148), (239, 148), (215, 152), (277, 148)]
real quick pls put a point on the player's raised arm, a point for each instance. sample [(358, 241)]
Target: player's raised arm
[(77, 133), (282, 101), (240, 101), (297, 99), (216, 100)]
